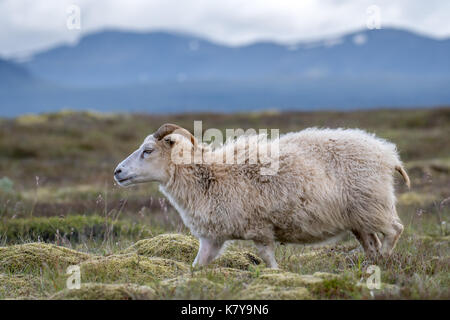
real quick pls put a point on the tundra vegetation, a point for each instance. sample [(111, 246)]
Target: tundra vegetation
[(59, 207)]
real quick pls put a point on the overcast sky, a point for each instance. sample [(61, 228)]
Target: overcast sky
[(27, 26)]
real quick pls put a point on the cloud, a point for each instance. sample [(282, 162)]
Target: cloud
[(30, 25)]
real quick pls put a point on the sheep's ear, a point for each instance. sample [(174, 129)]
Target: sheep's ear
[(169, 141)]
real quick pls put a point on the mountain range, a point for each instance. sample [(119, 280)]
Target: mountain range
[(172, 72)]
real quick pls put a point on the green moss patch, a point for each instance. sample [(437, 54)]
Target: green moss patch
[(342, 287), (177, 247), (223, 274), (242, 259), (100, 291), (268, 292), (31, 257), (288, 279), (20, 286), (184, 248), (326, 275), (130, 268), (186, 287)]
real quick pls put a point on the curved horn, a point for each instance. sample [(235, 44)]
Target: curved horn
[(169, 128)]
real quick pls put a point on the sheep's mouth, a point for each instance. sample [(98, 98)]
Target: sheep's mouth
[(125, 181)]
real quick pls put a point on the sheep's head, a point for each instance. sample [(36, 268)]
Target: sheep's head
[(152, 161)]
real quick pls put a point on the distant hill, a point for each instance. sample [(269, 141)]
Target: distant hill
[(160, 72), (12, 74), (120, 58)]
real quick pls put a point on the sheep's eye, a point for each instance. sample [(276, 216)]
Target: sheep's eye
[(146, 152)]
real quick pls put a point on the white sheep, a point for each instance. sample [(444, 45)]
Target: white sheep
[(328, 182)]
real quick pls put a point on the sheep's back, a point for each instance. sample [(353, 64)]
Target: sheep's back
[(324, 175)]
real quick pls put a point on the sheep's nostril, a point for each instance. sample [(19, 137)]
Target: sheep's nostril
[(118, 171)]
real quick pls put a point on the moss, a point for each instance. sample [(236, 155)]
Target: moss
[(267, 292), (72, 228), (31, 257), (299, 259), (224, 274), (343, 287), (206, 283), (100, 291), (186, 287), (288, 279), (130, 268), (189, 282), (242, 259), (18, 286), (270, 270), (326, 275), (178, 247)]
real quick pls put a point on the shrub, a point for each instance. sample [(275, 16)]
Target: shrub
[(72, 228)]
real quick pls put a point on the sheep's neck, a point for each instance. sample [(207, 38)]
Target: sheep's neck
[(189, 183)]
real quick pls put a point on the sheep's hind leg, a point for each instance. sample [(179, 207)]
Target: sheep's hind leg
[(369, 241), (208, 251), (267, 253)]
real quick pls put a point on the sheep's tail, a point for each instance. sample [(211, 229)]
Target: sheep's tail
[(402, 171)]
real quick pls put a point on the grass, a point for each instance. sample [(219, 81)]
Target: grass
[(60, 207), (70, 229)]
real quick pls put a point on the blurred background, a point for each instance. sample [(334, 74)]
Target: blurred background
[(165, 56)]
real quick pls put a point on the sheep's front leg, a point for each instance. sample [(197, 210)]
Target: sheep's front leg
[(267, 253), (209, 249)]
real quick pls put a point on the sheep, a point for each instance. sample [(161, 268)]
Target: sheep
[(328, 182)]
